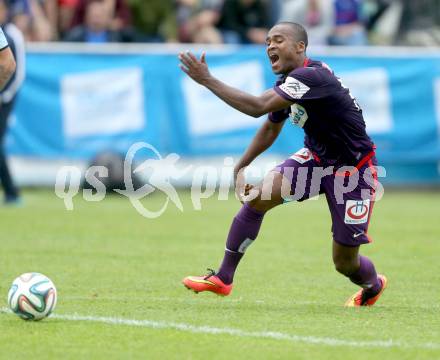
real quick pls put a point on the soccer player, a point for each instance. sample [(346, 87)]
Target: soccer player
[(7, 61), (14, 45), (336, 142), (7, 69)]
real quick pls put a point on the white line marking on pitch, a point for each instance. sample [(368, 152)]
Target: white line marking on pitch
[(272, 335)]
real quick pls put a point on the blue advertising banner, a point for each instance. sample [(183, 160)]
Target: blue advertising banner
[(76, 104)]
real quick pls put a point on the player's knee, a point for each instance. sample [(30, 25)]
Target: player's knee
[(269, 193), (260, 205)]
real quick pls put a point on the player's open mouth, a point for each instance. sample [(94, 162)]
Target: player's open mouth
[(274, 59)]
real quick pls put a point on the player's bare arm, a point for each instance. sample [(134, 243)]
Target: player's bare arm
[(255, 106), (7, 66), (262, 140)]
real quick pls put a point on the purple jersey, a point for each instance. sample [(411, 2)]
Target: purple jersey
[(332, 120)]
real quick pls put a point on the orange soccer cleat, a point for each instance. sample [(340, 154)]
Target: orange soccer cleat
[(359, 300), (208, 282)]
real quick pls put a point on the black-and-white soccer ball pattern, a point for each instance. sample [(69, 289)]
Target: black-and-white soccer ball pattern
[(32, 296)]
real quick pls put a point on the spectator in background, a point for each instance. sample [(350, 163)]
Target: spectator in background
[(7, 99), (197, 20), (372, 11), (349, 28), (44, 20), (155, 20), (317, 16), (420, 22), (244, 21), (275, 8), (120, 16), (20, 14), (97, 26), (66, 12), (31, 18)]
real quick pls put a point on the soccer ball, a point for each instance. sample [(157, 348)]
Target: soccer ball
[(32, 296)]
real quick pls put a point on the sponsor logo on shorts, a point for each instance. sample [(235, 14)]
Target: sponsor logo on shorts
[(356, 211), (302, 155)]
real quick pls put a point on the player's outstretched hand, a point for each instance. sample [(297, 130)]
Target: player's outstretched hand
[(197, 69), (241, 195), (242, 189)]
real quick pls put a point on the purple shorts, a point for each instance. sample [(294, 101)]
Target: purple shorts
[(350, 192)]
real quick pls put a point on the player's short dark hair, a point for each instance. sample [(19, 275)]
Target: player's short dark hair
[(299, 31)]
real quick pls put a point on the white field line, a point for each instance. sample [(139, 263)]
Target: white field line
[(272, 335)]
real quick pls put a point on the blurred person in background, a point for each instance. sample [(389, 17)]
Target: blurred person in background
[(66, 12), (372, 11), (275, 8), (244, 21), (10, 83), (119, 12), (348, 24), (420, 23), (382, 20), (98, 26), (19, 13), (36, 19), (317, 16), (197, 20), (45, 13), (154, 20)]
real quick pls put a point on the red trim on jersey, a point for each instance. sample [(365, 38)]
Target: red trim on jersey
[(316, 157), (306, 62), (373, 197), (358, 166)]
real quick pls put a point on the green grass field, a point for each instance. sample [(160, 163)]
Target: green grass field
[(108, 261)]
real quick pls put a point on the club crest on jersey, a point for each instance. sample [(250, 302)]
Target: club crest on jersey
[(302, 155), (298, 115), (356, 211)]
